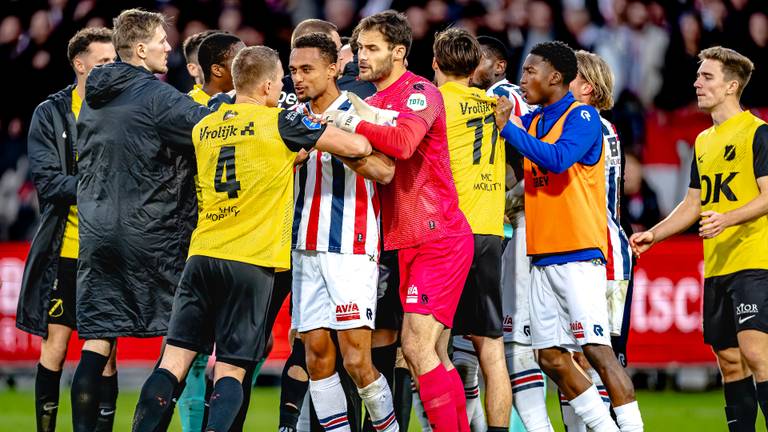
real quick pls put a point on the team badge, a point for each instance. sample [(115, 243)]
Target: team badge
[(416, 102)]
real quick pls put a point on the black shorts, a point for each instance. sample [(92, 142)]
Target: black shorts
[(480, 310), (226, 303), (732, 303), (61, 309), (389, 311)]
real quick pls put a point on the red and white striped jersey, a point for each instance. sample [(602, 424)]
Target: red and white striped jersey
[(512, 92), (336, 210), (619, 265)]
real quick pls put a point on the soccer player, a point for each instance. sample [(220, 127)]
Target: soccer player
[(245, 153), (214, 55), (51, 270), (190, 46), (594, 86), (565, 186), (136, 200), (525, 376), (335, 251), (728, 196), (477, 164), (420, 212)]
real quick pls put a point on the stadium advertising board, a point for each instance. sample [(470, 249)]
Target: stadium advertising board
[(666, 313)]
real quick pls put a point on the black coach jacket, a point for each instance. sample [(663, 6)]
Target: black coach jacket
[(51, 149), (136, 200)]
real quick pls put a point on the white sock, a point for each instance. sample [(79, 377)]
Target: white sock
[(628, 416), (378, 403), (589, 406), (529, 393), (477, 422), (418, 409), (598, 382), (330, 403), (571, 421), (468, 366)]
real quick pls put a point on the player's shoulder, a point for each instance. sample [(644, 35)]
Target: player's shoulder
[(586, 114)]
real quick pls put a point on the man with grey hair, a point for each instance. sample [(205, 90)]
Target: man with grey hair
[(136, 200)]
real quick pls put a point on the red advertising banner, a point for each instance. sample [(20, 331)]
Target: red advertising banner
[(666, 307), (666, 313), (19, 348)]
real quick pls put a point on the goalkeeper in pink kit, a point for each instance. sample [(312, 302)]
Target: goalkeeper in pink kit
[(420, 213)]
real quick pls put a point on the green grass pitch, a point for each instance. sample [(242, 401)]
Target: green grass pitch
[(662, 411)]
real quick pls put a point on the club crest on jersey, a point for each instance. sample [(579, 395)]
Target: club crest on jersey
[(577, 329), (416, 101), (310, 124), (347, 312), (412, 295)]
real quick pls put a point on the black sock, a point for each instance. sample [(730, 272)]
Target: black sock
[(239, 422), (85, 391), (46, 398), (740, 405), (155, 401), (107, 404), (384, 360), (292, 391), (497, 429), (762, 398), (206, 405), (403, 397), (225, 403)]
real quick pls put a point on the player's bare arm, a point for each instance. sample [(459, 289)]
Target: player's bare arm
[(376, 166), (341, 143), (713, 223), (683, 216)]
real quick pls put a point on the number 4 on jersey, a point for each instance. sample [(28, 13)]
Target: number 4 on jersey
[(225, 179)]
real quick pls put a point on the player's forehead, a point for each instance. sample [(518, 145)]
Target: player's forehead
[(535, 62), (711, 67), (304, 56), (372, 37)]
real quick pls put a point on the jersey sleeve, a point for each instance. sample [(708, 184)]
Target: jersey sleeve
[(695, 182), (425, 102), (760, 151), (298, 131)]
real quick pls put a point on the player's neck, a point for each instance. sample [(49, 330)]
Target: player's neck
[(212, 88), (721, 113), (80, 86), (255, 100), (458, 80), (322, 102), (498, 80), (555, 97), (398, 70)]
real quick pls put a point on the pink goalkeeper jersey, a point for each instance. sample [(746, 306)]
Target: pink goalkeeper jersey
[(420, 204)]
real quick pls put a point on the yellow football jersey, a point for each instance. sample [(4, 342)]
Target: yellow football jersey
[(70, 243), (728, 159), (245, 155), (477, 156), (198, 95)]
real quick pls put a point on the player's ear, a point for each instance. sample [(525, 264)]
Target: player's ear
[(399, 52), (333, 69), (555, 78), (434, 64), (732, 88), (141, 50), (500, 67), (78, 65), (217, 70)]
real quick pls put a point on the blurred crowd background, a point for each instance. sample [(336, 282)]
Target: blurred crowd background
[(652, 47)]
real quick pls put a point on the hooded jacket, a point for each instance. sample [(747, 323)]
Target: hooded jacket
[(51, 149), (136, 200)]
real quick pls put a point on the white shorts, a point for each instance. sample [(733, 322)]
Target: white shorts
[(616, 295), (568, 306), (516, 286), (333, 290)]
